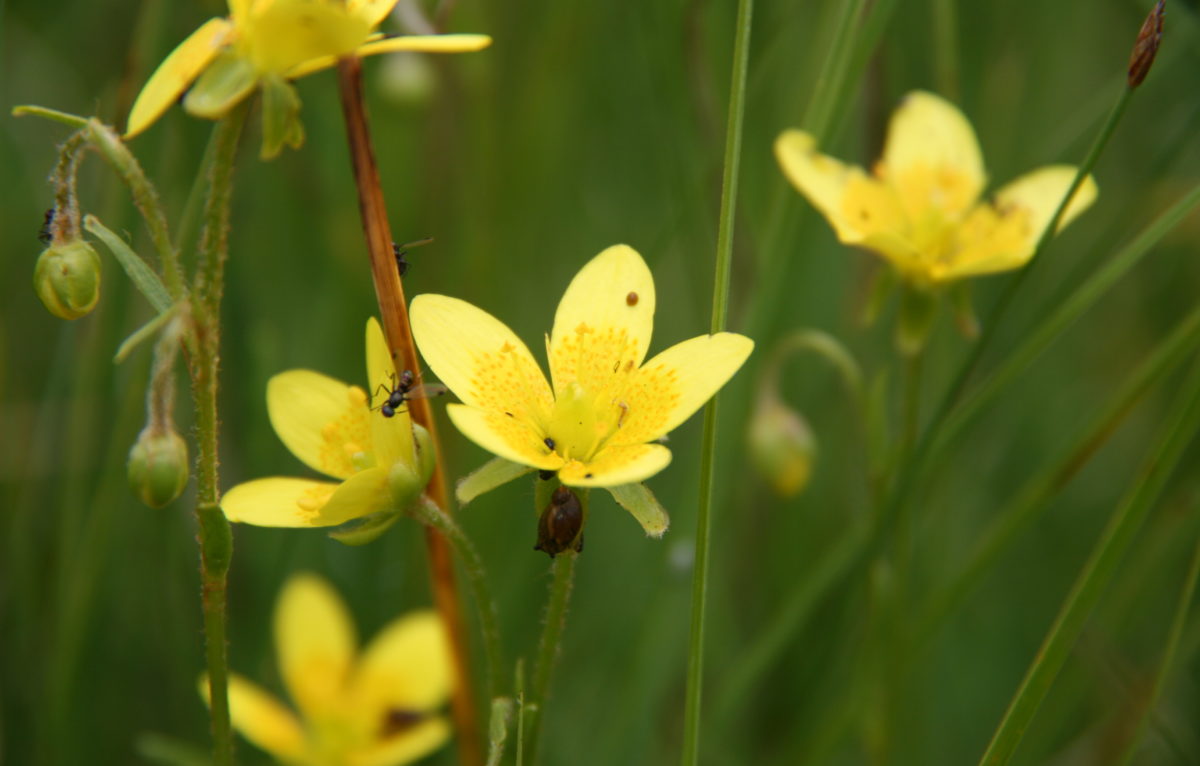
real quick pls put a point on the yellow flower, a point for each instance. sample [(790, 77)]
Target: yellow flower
[(377, 709), (920, 207), (332, 428), (598, 425), (267, 42)]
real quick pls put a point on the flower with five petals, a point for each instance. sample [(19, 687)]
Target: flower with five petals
[(268, 43), (374, 709), (332, 427), (919, 208), (598, 421)]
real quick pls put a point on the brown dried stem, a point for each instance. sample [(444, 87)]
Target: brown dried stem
[(393, 311)]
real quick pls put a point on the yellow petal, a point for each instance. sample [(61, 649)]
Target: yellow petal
[(315, 641), (287, 502), (281, 34), (177, 71), (508, 436), (822, 180), (407, 666), (1039, 192), (614, 466), (323, 421), (1002, 236), (391, 438), (371, 11), (262, 719), (932, 156), (674, 384), (405, 747), (482, 361), (604, 321), (419, 43)]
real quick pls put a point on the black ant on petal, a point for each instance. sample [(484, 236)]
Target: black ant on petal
[(403, 390)]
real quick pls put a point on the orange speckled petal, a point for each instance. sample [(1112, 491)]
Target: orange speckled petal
[(614, 466), (674, 384), (509, 437), (604, 321), (482, 361), (321, 420)]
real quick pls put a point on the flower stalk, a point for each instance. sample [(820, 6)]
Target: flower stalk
[(216, 538), (394, 316), (708, 445)]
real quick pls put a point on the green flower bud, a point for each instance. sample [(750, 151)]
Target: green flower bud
[(158, 467), (406, 485), (782, 446), (67, 279)]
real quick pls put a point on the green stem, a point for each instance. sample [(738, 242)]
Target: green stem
[(1182, 607), (1026, 504), (489, 623), (945, 49), (145, 197), (1182, 421), (216, 539), (832, 75), (708, 446), (548, 646), (1069, 309)]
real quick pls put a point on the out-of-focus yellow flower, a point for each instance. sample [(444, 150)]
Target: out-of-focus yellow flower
[(377, 709), (269, 42), (920, 208), (598, 425), (332, 428)]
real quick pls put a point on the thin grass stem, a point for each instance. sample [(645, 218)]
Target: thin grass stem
[(708, 445), (1182, 608), (1181, 423)]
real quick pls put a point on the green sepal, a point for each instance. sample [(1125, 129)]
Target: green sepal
[(280, 117), (367, 529), (918, 310), (226, 81), (487, 477), (641, 502)]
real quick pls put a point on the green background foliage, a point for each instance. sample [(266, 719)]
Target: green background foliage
[(584, 125)]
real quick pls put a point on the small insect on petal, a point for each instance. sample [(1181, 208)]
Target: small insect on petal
[(561, 524)]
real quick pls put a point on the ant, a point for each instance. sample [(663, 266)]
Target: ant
[(401, 250), (403, 390), (46, 233)]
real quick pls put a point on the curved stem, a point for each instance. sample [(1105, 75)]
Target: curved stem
[(216, 539), (548, 646), (708, 446), (489, 624)]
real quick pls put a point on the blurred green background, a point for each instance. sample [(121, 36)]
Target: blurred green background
[(584, 125)]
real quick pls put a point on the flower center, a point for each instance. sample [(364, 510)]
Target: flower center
[(582, 421)]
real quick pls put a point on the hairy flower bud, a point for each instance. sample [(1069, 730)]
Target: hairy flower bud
[(158, 467), (67, 279), (782, 446)]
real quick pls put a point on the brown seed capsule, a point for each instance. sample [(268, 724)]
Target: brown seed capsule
[(561, 525), (1146, 47)]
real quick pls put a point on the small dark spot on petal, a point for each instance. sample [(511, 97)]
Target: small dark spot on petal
[(631, 299), (509, 414), (549, 443), (588, 475)]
